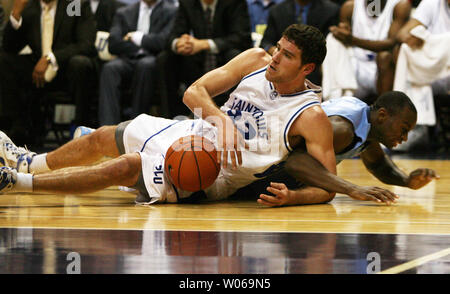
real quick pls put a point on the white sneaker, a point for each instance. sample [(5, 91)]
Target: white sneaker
[(82, 131), (18, 158)]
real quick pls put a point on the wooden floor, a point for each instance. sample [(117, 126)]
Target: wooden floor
[(233, 236)]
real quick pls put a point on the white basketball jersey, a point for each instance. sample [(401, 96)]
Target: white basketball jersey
[(435, 15), (365, 26), (264, 118)]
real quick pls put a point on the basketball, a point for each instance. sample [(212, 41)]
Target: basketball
[(191, 163)]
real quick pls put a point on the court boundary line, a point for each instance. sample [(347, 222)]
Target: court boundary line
[(416, 262), (225, 231), (238, 219)]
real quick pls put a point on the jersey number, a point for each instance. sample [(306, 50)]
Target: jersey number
[(247, 130)]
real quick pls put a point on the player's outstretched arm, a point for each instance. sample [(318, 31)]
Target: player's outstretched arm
[(306, 169), (384, 169), (285, 197)]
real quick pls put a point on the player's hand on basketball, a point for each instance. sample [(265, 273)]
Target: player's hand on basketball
[(38, 74), (230, 142), (281, 192), (420, 177), (375, 194)]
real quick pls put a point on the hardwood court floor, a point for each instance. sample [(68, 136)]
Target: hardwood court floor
[(417, 226)]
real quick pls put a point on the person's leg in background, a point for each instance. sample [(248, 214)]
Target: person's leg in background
[(112, 75), (170, 70), (80, 81), (15, 79), (386, 72), (143, 85)]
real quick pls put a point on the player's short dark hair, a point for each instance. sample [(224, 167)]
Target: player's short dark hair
[(394, 102), (308, 39)]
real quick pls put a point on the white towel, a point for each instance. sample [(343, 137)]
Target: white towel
[(338, 75), (417, 69)]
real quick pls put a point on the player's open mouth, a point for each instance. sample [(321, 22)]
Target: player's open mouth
[(272, 68)]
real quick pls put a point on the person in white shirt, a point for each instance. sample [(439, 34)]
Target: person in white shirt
[(434, 15), (427, 36)]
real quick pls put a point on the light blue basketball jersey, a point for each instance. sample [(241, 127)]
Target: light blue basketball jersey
[(357, 112)]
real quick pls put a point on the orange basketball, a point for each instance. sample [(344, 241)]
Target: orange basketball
[(191, 163)]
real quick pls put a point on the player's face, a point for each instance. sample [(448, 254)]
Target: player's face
[(286, 62), (396, 127)]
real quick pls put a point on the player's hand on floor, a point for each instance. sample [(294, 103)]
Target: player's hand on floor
[(281, 197), (375, 194), (420, 177)]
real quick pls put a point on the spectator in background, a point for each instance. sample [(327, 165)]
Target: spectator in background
[(423, 71), (104, 11), (259, 12), (138, 34), (434, 15), (371, 30), (128, 2), (206, 34), (319, 13), (2, 15), (339, 2), (61, 46)]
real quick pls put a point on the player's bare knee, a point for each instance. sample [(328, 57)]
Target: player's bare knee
[(103, 140), (330, 198), (127, 169)]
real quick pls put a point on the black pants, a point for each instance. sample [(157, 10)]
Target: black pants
[(176, 69), (20, 99), (141, 72)]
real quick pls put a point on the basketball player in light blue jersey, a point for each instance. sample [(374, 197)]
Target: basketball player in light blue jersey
[(358, 129), (273, 109)]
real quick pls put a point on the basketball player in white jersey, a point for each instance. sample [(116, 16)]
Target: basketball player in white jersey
[(371, 27), (434, 15), (273, 108)]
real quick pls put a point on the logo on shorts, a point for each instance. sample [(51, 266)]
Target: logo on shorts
[(158, 175)]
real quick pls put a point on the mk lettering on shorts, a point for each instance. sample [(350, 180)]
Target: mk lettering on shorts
[(158, 174)]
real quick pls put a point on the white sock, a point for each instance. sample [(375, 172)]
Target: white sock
[(24, 183), (39, 163)]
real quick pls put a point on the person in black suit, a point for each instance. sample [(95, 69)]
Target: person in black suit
[(318, 13), (339, 2), (104, 11), (70, 42), (139, 32), (2, 15), (198, 45)]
